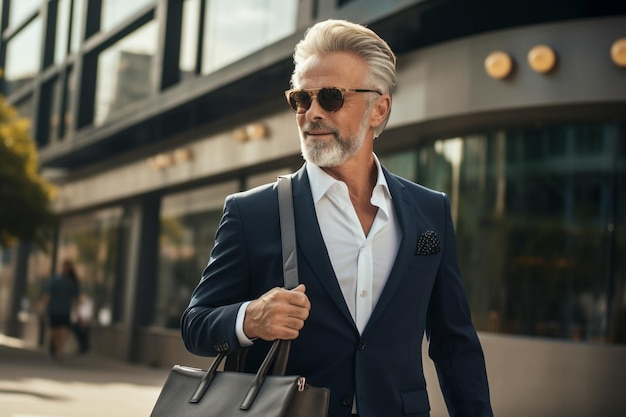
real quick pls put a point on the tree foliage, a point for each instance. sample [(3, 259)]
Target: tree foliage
[(25, 196)]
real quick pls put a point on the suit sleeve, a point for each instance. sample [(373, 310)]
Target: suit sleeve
[(208, 323), (453, 343)]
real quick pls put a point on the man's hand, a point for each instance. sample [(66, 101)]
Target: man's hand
[(277, 314)]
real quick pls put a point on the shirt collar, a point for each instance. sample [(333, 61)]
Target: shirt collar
[(321, 182)]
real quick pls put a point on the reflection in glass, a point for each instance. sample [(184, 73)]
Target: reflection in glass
[(114, 11), (55, 106), (21, 9), (77, 16), (63, 27), (68, 100), (403, 164), (617, 233), (236, 28), (189, 38), (125, 71), (23, 57), (94, 241), (532, 209), (188, 224)]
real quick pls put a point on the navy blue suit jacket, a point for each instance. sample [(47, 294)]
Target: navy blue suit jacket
[(383, 366)]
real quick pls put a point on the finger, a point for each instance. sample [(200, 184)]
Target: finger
[(281, 328), (298, 297), (296, 312), (300, 288), (289, 328)]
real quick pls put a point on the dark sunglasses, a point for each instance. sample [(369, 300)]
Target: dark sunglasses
[(329, 98)]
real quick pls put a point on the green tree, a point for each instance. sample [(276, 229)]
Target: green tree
[(25, 196)]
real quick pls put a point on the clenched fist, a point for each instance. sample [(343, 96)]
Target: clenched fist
[(277, 314)]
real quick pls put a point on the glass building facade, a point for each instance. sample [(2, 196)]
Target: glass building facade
[(540, 218)]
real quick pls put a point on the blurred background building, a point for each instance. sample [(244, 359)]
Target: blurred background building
[(147, 113)]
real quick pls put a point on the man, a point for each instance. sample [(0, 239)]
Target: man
[(376, 254)]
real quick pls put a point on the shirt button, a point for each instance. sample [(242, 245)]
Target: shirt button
[(363, 293)]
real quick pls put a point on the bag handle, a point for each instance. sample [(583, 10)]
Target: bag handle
[(280, 348), (257, 382), (207, 378)]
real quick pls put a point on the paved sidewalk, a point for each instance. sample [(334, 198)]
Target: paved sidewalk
[(33, 385)]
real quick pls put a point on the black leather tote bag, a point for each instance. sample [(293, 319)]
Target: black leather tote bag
[(192, 392)]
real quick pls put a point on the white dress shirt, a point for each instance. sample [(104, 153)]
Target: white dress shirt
[(361, 262)]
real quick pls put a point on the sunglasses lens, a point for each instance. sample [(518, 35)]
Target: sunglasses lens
[(300, 101), (331, 99)]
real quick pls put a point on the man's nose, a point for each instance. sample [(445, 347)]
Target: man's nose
[(315, 112)]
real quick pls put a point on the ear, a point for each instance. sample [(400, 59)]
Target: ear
[(380, 110)]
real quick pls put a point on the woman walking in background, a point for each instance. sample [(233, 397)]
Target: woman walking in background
[(60, 297)]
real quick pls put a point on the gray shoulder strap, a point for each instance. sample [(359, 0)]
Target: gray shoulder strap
[(288, 232)]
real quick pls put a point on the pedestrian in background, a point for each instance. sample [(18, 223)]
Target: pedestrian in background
[(377, 256), (60, 298)]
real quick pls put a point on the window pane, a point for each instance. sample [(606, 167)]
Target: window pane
[(236, 28), (77, 17), (532, 209), (188, 224), (189, 38), (125, 71), (94, 242), (114, 11), (70, 94), (402, 164), (55, 110), (23, 56), (618, 281), (21, 9), (63, 27)]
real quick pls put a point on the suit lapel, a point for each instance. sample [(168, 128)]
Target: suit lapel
[(405, 212), (311, 242)]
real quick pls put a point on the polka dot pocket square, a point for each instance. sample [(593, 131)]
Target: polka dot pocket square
[(428, 244)]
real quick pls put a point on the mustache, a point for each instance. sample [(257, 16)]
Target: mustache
[(318, 126)]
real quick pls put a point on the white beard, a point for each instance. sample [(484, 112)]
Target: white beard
[(334, 152)]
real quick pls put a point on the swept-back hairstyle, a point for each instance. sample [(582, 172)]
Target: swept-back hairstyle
[(342, 36)]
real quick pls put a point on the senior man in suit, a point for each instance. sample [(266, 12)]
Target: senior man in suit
[(376, 253)]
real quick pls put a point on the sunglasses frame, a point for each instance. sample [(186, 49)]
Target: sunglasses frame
[(314, 92)]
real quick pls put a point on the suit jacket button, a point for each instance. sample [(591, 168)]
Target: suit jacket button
[(362, 345), (347, 400)]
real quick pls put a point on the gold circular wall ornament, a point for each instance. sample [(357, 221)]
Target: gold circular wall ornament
[(618, 52), (542, 58), (498, 65)]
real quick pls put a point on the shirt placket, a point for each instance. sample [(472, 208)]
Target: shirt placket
[(364, 284)]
